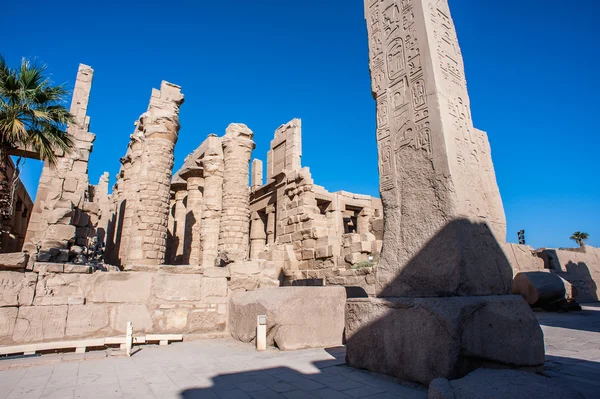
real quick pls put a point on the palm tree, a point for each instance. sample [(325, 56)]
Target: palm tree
[(33, 116), (579, 237)]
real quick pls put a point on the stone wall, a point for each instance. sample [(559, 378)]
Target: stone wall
[(580, 267), (61, 302)]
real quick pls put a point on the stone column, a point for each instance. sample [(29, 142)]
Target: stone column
[(103, 199), (179, 222), (58, 217), (257, 235), (441, 266), (129, 196), (270, 224), (257, 173), (233, 234), (158, 129), (212, 162), (195, 186)]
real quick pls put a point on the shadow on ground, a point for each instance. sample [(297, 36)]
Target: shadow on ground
[(334, 380), (588, 319)]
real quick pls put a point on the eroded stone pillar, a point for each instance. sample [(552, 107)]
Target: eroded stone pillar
[(257, 173), (233, 233), (258, 236), (270, 210), (158, 129), (58, 214), (213, 166), (179, 223), (195, 183)]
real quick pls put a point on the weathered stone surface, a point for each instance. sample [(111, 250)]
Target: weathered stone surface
[(297, 317), (579, 266), (434, 166), (60, 289), (542, 288), (420, 339), (40, 323), (87, 320), (522, 258), (123, 287), (15, 261), (202, 321), (137, 314), (214, 287), (179, 287), (17, 289), (8, 318), (501, 384)]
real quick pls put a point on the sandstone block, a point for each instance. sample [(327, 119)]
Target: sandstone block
[(8, 318), (214, 287), (446, 337), (201, 321), (77, 269), (137, 314), (61, 232), (87, 320), (40, 323), (60, 289), (123, 287), (17, 289), (542, 288), (46, 267), (178, 287), (15, 261), (501, 384), (297, 317)]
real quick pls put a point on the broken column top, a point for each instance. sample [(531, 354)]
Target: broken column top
[(162, 118), (81, 95), (286, 149), (239, 131)]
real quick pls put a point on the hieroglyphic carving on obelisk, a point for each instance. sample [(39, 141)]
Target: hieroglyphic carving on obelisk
[(432, 162)]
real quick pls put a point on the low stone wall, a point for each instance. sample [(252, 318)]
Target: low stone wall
[(522, 258), (580, 267), (45, 306)]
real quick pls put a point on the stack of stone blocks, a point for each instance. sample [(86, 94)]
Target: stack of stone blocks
[(64, 213)]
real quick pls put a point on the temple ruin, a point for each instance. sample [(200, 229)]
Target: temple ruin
[(424, 272)]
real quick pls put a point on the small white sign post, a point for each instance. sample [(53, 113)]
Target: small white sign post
[(261, 333), (129, 338)]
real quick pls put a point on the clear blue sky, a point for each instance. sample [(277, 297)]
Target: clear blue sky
[(532, 70)]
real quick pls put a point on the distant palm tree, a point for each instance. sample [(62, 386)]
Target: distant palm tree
[(33, 116), (580, 237)]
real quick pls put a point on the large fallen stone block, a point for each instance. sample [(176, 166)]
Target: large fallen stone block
[(297, 317), (420, 339), (15, 261), (543, 289), (501, 384)]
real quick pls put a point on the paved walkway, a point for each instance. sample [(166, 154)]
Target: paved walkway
[(224, 368)]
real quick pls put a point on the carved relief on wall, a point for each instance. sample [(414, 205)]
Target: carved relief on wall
[(448, 51), (391, 20), (382, 111), (387, 167), (378, 78), (395, 59), (417, 139)]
